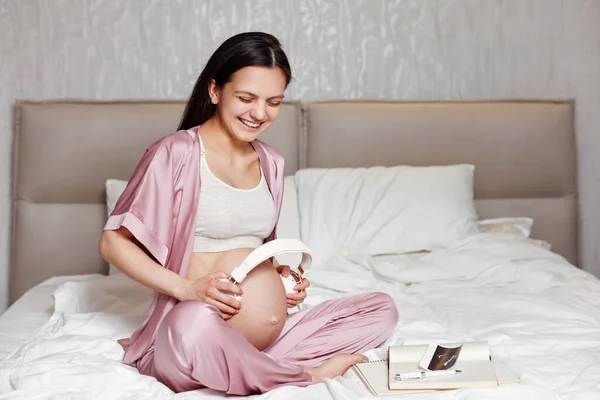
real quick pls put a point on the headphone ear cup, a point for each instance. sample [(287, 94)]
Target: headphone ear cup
[(288, 283), (235, 296), (296, 276)]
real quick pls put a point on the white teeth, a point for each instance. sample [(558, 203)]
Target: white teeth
[(248, 123)]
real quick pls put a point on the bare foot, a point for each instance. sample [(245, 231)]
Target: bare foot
[(335, 366)]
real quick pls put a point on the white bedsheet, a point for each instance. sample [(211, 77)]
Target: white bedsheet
[(30, 312), (540, 315)]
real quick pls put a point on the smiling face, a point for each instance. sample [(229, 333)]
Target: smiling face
[(250, 102)]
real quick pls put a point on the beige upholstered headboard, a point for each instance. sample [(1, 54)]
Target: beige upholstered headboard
[(523, 151)]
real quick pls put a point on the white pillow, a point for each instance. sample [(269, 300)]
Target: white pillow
[(288, 226), (114, 188), (515, 225), (520, 226), (385, 210)]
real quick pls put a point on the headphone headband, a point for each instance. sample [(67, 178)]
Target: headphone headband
[(271, 249)]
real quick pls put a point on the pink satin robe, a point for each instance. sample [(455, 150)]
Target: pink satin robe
[(167, 178)]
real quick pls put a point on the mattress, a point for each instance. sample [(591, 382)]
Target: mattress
[(539, 314)]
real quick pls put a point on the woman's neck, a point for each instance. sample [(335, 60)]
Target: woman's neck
[(219, 137)]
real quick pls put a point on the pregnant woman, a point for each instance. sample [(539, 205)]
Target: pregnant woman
[(199, 201)]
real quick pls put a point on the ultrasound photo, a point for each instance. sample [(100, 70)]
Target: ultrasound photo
[(444, 358)]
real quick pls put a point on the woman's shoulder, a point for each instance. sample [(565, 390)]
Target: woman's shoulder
[(177, 144), (270, 151), (273, 161)]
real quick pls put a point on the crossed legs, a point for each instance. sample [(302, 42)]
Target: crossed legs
[(196, 348)]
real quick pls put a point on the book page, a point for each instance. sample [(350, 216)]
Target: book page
[(475, 351), (470, 351), (504, 375), (374, 375), (474, 374), (407, 354)]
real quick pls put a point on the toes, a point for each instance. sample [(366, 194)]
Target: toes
[(360, 358)]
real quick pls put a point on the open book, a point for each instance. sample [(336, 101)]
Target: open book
[(462, 365), (375, 375)]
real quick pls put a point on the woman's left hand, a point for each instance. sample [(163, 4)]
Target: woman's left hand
[(293, 299)]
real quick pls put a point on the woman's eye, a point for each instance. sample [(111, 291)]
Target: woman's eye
[(274, 103), (245, 100)]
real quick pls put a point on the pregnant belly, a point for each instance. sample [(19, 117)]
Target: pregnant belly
[(264, 308)]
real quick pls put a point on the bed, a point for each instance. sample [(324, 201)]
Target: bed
[(513, 282)]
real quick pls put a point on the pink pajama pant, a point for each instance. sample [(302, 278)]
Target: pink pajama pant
[(196, 348)]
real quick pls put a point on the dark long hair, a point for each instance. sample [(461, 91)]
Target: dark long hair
[(239, 51)]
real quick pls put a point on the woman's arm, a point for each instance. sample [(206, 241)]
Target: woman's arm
[(136, 235), (118, 248)]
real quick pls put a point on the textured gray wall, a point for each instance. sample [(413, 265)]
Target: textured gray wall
[(402, 49)]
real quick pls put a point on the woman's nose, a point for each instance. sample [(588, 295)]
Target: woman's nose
[(258, 112)]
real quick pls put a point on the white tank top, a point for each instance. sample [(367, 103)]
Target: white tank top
[(230, 218)]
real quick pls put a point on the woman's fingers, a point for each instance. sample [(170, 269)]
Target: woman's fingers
[(293, 299), (302, 285), (226, 286), (217, 275), (223, 301), (297, 296), (284, 270), (221, 291), (223, 308)]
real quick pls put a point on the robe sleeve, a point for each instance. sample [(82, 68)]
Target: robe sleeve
[(145, 207), (276, 185)]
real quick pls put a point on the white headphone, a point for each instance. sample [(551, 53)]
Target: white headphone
[(272, 249)]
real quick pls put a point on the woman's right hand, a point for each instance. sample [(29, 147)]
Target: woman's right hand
[(213, 291)]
